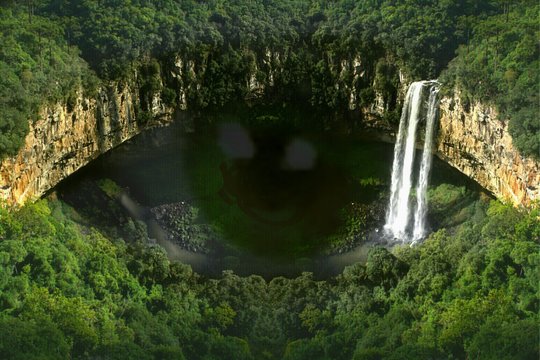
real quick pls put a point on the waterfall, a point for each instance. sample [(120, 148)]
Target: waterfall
[(419, 230), (399, 208)]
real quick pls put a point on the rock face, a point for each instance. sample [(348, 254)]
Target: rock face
[(472, 139), (63, 140), (475, 141)]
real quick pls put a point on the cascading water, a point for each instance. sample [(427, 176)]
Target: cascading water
[(399, 209), (419, 230)]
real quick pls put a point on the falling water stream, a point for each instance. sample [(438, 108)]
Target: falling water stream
[(415, 110), (168, 166), (419, 230)]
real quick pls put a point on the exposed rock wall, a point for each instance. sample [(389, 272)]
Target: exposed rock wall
[(476, 142), (63, 140)]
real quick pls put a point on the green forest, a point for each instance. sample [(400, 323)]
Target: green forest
[(70, 289), (486, 49)]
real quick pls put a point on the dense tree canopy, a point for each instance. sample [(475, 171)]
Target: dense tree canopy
[(66, 290), (500, 65), (293, 47), (36, 65), (69, 290)]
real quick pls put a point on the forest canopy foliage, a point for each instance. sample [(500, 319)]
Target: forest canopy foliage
[(47, 44), (500, 66), (37, 65), (69, 291)]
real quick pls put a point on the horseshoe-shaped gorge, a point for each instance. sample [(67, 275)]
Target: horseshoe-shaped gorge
[(471, 138), (186, 179)]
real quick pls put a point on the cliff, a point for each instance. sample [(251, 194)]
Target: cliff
[(64, 139), (475, 141)]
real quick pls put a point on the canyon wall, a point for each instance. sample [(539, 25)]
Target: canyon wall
[(474, 140), (64, 139)]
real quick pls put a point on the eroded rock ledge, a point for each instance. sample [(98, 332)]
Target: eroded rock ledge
[(63, 140), (475, 141)]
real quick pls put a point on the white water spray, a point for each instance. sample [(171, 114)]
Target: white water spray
[(419, 230), (399, 209)]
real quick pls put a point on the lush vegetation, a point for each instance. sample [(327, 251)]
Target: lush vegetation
[(294, 48), (67, 291), (37, 65), (499, 66)]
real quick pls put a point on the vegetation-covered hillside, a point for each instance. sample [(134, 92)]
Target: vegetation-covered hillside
[(45, 45), (500, 66), (37, 65), (68, 291)]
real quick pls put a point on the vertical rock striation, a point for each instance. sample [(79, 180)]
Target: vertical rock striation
[(63, 140), (475, 141)]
